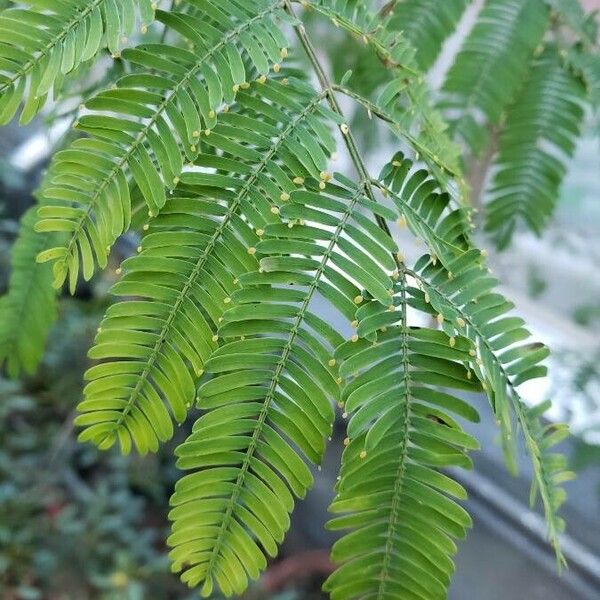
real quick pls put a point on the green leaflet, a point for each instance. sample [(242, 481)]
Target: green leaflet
[(542, 128), (188, 268), (43, 43), (29, 308), (160, 114)]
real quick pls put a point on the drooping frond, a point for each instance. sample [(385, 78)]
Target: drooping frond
[(400, 509), (272, 385), (462, 297), (491, 66), (190, 263), (29, 308), (156, 117), (540, 135), (427, 24), (425, 209), (41, 44)]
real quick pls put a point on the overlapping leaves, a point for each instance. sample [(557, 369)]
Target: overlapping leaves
[(191, 260), (155, 118), (272, 386)]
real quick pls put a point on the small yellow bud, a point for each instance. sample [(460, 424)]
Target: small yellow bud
[(215, 338), (139, 248), (396, 163), (332, 362), (358, 300), (118, 271), (344, 128), (427, 298), (196, 133), (338, 380), (276, 67), (284, 197), (212, 114), (460, 321), (452, 342), (344, 415), (322, 185), (207, 132), (354, 324), (402, 222), (146, 227), (298, 180), (440, 318), (144, 29), (363, 454), (347, 441), (262, 79), (472, 352), (283, 53), (275, 210), (354, 338), (245, 85), (260, 232), (252, 250), (226, 300)]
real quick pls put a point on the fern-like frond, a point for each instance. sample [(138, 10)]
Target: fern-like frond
[(272, 385), (463, 299), (540, 135), (427, 24), (400, 509), (29, 308), (492, 66), (43, 43), (190, 263), (156, 117)]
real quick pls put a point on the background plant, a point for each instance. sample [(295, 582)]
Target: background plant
[(221, 157)]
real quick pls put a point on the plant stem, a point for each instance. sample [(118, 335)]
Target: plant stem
[(349, 139)]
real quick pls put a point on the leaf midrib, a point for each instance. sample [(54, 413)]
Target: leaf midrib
[(401, 470)]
